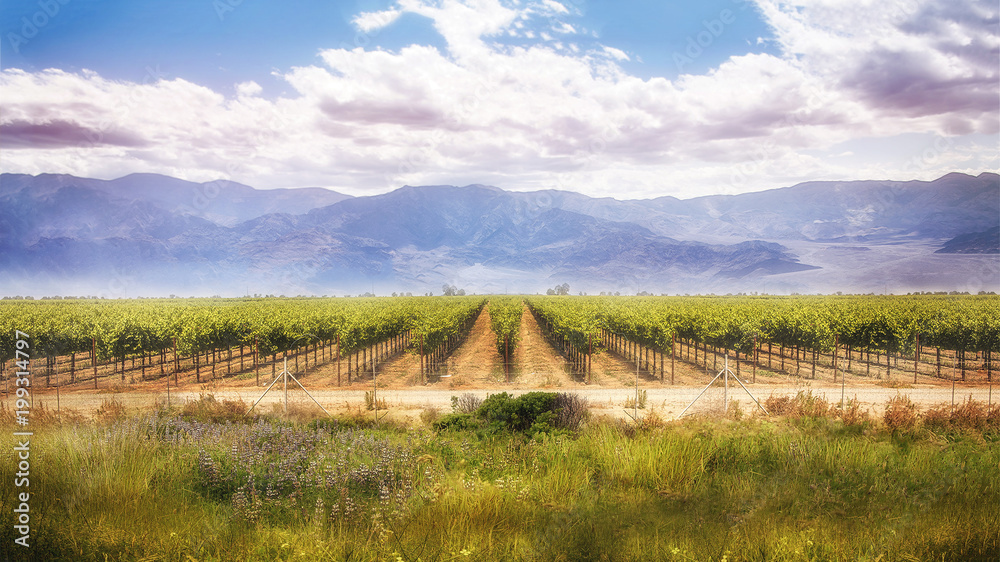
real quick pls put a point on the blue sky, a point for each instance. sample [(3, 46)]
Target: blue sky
[(627, 98)]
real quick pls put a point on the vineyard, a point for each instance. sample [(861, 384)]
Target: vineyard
[(520, 473), (90, 342)]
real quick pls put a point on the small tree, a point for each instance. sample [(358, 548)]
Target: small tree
[(559, 290)]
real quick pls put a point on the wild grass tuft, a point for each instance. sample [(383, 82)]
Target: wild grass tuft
[(900, 414)]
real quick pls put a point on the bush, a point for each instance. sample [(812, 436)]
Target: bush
[(571, 411), (803, 404), (207, 409), (430, 415), (466, 403), (900, 414), (531, 413), (852, 415), (503, 411), (970, 415), (111, 410), (734, 411), (457, 422)]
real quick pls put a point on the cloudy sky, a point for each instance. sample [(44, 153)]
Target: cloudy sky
[(629, 99)]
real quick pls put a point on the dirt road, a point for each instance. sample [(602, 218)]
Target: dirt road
[(408, 403)]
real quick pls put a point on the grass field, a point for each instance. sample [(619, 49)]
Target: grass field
[(814, 483)]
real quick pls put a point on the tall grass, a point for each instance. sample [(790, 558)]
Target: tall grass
[(807, 487)]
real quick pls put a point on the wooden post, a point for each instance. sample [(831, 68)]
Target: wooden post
[(836, 352), (177, 362), (916, 359), (590, 354), (72, 367), (814, 364), (338, 359), (756, 357), (93, 358), (673, 341)]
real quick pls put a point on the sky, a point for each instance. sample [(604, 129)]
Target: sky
[(624, 99)]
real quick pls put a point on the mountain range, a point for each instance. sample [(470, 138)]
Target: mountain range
[(150, 235)]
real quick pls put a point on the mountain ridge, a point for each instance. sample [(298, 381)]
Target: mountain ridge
[(165, 235)]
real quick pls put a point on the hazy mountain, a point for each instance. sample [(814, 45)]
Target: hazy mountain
[(818, 211), (987, 242), (151, 234), (143, 200)]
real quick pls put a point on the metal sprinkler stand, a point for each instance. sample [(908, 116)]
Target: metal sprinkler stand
[(725, 406), (284, 375)]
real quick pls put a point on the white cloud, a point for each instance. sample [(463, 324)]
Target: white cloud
[(371, 21), (248, 89), (563, 27), (555, 6), (616, 53), (538, 116)]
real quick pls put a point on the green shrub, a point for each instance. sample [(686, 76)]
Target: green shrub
[(504, 412), (531, 413), (457, 422)]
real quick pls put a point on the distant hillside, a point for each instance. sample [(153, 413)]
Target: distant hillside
[(152, 234), (987, 242)]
